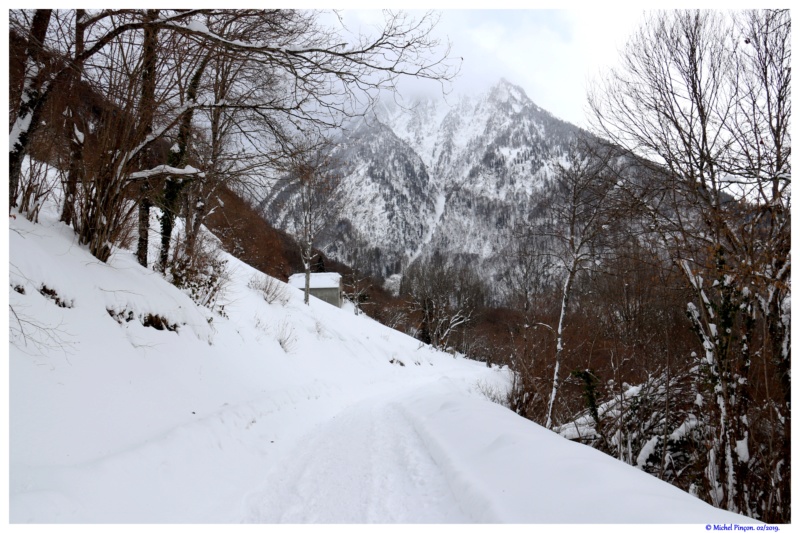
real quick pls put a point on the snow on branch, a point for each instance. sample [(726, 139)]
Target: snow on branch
[(162, 170)]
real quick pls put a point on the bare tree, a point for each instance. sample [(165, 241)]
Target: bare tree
[(34, 85), (573, 234), (443, 296), (357, 283), (318, 200), (316, 78), (526, 266), (706, 96)]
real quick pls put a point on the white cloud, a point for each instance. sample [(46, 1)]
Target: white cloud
[(551, 54)]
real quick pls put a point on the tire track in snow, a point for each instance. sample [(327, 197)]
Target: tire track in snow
[(366, 465)]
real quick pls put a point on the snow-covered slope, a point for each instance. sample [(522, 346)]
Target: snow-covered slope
[(273, 413)]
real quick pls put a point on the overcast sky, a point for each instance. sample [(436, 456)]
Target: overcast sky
[(551, 54)]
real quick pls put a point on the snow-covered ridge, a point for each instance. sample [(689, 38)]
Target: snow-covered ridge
[(487, 155), (271, 413)]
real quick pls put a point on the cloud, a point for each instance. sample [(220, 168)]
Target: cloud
[(551, 54)]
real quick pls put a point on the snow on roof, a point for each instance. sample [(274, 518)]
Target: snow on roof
[(320, 280)]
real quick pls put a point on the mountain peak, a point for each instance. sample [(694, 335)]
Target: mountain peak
[(506, 91), (469, 166)]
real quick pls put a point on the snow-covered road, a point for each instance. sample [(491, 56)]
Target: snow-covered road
[(437, 452), (365, 465)]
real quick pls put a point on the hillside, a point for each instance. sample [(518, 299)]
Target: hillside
[(131, 404)]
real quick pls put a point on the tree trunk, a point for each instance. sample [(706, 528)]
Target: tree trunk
[(30, 104), (76, 135), (307, 267), (560, 344), (144, 225), (170, 201), (196, 212), (149, 53), (178, 159)]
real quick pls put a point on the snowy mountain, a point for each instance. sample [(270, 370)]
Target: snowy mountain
[(450, 174), (129, 403)]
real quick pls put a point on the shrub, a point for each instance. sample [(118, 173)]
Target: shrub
[(202, 276), (272, 290), (285, 336)]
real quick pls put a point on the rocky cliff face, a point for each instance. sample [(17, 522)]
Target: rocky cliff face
[(450, 175)]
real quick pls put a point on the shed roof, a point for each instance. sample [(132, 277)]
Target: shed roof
[(320, 280)]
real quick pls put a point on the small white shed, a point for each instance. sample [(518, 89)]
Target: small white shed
[(327, 286)]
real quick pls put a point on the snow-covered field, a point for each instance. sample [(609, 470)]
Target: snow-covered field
[(274, 413)]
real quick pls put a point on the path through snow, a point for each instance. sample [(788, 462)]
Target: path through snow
[(366, 465)]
